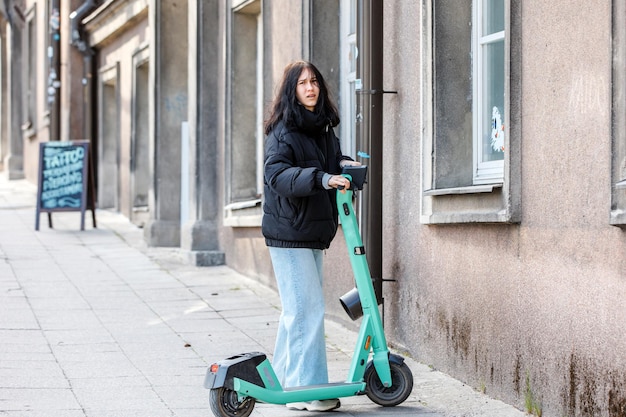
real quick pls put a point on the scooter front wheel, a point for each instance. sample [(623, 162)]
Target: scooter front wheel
[(224, 403), (400, 389)]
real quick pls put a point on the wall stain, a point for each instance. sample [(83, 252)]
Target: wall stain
[(617, 399), (517, 373), (572, 385), (591, 393), (571, 398), (476, 364), (587, 386), (457, 331), (442, 323), (583, 388), (461, 336)]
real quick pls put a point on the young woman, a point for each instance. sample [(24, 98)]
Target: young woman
[(303, 161)]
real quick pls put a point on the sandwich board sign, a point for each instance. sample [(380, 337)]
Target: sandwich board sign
[(65, 180)]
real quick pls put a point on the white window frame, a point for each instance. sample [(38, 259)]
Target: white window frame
[(485, 172), (348, 76), (260, 134), (618, 87)]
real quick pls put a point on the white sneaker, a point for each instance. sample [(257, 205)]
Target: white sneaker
[(315, 405)]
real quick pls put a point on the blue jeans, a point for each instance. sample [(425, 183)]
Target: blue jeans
[(300, 351)]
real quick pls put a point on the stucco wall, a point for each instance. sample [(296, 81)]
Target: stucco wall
[(535, 307)]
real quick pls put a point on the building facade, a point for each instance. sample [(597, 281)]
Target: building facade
[(495, 210)]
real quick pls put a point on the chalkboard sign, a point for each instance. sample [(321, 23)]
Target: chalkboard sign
[(65, 180)]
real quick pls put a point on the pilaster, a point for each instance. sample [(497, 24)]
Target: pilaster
[(168, 110), (199, 233)]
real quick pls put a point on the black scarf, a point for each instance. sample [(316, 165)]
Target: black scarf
[(311, 123)]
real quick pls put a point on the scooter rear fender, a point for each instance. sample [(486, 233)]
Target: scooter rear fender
[(242, 366)]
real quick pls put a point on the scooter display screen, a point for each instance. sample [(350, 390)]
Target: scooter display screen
[(358, 174)]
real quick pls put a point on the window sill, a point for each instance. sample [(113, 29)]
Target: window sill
[(243, 214), (618, 215), (473, 204), (618, 218), (472, 189)]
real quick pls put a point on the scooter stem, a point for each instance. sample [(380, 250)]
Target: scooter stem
[(371, 336)]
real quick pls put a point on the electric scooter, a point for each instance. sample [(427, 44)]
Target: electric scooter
[(236, 383)]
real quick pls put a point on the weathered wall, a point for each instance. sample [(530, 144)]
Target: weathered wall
[(535, 307)]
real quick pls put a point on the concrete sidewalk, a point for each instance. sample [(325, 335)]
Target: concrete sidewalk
[(96, 324)]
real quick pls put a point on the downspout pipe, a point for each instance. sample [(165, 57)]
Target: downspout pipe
[(76, 17), (54, 76), (5, 7), (369, 130), (79, 41)]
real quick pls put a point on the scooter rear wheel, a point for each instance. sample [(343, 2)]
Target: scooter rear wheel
[(400, 389), (224, 403)]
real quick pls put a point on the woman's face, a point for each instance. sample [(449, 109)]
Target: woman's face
[(307, 89)]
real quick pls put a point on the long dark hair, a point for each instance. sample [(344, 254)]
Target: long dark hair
[(285, 104)]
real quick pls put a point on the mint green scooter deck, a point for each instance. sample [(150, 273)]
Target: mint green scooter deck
[(290, 395), (371, 339)]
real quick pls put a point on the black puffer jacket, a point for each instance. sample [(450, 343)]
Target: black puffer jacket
[(298, 212)]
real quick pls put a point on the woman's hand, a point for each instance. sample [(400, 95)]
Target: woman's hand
[(339, 181)]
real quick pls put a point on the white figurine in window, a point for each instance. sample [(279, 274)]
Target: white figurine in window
[(497, 131)]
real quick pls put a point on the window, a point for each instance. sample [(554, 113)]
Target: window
[(108, 137), (618, 170), (488, 90), (245, 131), (30, 83), (471, 166), (348, 77), (140, 137)]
